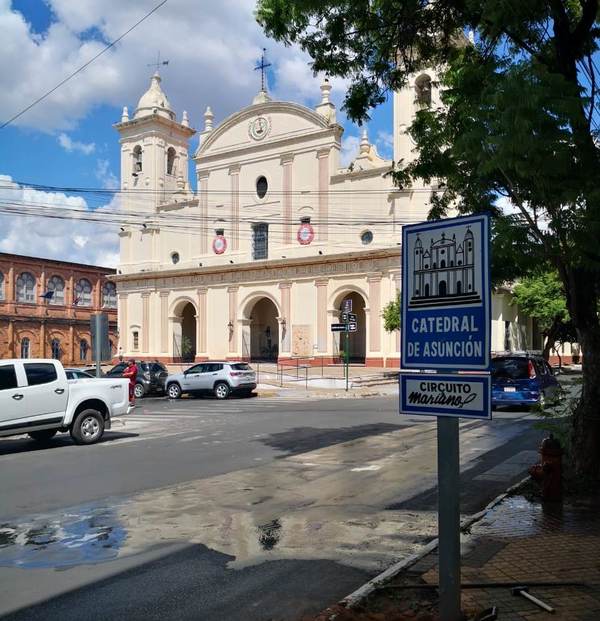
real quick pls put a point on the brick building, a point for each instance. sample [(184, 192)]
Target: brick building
[(58, 326)]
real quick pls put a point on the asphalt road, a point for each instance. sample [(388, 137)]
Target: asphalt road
[(254, 509)]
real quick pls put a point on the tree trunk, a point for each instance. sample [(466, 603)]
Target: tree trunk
[(551, 337), (582, 302)]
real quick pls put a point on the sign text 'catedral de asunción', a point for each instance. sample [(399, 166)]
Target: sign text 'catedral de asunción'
[(445, 306)]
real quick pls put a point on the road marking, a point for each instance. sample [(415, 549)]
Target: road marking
[(192, 438)]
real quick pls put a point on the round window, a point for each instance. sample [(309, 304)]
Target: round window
[(261, 187), (175, 258), (366, 237)]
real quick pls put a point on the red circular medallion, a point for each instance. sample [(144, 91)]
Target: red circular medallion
[(306, 233), (219, 244)]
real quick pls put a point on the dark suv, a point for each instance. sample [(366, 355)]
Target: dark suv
[(151, 377), (523, 380)]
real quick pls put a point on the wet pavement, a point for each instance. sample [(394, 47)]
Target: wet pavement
[(523, 541), (329, 509)]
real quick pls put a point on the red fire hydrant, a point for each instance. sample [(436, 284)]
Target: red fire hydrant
[(549, 472)]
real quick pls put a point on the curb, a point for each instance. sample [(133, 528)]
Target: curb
[(356, 597)]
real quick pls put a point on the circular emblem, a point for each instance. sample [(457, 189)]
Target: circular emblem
[(259, 128), (219, 244), (306, 234)]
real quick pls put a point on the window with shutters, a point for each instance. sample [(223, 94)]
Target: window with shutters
[(260, 241)]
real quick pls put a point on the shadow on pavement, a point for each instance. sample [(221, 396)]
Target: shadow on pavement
[(194, 583), (10, 446), (304, 439)]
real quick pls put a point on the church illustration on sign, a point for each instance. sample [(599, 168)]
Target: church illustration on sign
[(444, 273)]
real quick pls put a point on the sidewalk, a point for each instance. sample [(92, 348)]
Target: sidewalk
[(520, 541)]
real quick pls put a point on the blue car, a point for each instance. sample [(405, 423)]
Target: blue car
[(523, 380)]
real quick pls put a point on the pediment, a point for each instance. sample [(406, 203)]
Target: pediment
[(280, 120)]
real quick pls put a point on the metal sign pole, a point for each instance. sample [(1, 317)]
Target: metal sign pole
[(347, 356), (449, 518)]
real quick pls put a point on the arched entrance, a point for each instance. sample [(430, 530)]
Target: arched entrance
[(184, 331), (188, 333), (264, 331), (357, 341)]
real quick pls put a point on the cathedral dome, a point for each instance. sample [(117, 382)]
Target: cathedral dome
[(154, 101)]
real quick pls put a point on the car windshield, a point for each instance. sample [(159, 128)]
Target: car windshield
[(510, 368), (241, 366)]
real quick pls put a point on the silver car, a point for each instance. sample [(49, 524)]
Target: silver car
[(220, 378)]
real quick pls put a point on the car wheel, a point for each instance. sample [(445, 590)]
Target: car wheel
[(174, 391), (88, 427), (138, 391), (43, 435), (221, 390)]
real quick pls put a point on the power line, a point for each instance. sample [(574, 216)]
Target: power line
[(89, 62)]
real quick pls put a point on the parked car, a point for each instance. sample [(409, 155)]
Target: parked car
[(151, 377), (220, 378), (522, 379), (74, 374), (37, 398)]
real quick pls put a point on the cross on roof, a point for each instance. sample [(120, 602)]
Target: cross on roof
[(158, 62), (262, 68)]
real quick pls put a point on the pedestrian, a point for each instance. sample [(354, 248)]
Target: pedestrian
[(131, 373)]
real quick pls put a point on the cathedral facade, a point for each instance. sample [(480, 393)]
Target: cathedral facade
[(257, 263)]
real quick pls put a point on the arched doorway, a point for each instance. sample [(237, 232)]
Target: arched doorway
[(188, 333), (357, 341), (264, 331)]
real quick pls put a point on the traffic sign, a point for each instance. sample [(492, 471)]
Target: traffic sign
[(352, 326), (338, 327), (466, 396), (347, 305), (344, 317), (351, 317), (446, 294)]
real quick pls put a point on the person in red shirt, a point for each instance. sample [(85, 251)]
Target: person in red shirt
[(131, 373)]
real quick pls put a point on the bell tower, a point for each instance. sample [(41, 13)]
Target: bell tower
[(154, 151), (421, 91)]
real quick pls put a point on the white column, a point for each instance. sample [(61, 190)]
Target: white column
[(164, 322), (204, 232), (323, 210)]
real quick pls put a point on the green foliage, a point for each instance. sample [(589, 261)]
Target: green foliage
[(392, 315), (542, 297)]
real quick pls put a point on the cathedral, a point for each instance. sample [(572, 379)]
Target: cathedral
[(258, 262)]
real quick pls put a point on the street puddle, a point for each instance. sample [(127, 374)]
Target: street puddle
[(91, 535)]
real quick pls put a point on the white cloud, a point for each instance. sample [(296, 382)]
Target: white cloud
[(349, 150), (68, 144), (385, 144), (105, 175), (211, 47), (72, 239)]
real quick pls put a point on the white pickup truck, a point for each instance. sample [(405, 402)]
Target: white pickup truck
[(37, 398)]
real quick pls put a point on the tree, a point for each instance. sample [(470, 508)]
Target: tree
[(519, 121), (542, 298), (391, 315)]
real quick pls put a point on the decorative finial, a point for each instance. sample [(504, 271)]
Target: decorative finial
[(208, 119), (185, 121), (262, 66), (125, 115), (365, 146), (325, 91)]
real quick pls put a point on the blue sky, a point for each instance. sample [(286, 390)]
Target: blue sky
[(67, 140)]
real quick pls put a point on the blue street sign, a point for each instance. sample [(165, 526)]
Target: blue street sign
[(432, 394), (347, 305), (446, 305)]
